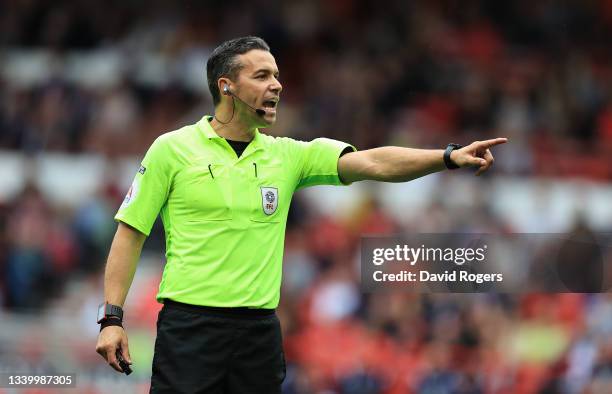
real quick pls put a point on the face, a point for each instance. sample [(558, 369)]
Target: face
[(257, 84)]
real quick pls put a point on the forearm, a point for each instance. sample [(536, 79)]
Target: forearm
[(396, 164), (121, 264)]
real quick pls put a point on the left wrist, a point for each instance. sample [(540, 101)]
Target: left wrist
[(448, 153)]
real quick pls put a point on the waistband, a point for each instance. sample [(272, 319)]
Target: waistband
[(220, 311)]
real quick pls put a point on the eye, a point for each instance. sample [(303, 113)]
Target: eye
[(261, 77)]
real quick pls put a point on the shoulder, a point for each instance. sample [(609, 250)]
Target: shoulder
[(275, 141), (182, 136), (173, 147), (286, 143), (280, 144), (176, 141), (294, 146)]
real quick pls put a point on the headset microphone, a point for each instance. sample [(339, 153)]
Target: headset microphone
[(258, 111)]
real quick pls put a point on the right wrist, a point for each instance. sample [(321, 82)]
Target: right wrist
[(110, 322), (107, 311)]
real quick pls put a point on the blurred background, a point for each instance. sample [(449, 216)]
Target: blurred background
[(86, 86)]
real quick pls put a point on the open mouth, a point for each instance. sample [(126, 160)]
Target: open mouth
[(270, 104)]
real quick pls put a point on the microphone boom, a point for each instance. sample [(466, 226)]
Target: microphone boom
[(258, 111)]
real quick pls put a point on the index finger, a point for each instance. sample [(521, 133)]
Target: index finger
[(111, 359), (493, 142)]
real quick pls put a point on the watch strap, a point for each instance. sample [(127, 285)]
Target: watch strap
[(113, 310), (447, 153), (106, 310)]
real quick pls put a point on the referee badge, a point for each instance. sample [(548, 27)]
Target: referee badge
[(269, 199)]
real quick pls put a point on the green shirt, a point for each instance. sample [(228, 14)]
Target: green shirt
[(224, 217)]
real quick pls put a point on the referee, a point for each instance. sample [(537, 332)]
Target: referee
[(223, 191)]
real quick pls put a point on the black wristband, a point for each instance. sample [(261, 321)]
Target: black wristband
[(110, 322), (447, 160)]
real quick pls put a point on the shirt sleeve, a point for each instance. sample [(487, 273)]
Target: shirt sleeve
[(149, 190), (319, 162)]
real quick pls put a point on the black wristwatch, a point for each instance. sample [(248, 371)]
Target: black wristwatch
[(106, 310), (447, 160)]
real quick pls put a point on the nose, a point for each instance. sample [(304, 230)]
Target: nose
[(276, 87)]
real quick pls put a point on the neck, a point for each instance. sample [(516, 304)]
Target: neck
[(237, 129)]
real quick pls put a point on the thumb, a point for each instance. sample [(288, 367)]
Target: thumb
[(476, 161)]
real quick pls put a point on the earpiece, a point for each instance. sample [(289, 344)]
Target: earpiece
[(226, 90)]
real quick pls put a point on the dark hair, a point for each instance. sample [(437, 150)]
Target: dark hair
[(222, 62)]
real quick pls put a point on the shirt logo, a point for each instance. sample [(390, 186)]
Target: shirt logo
[(142, 169), (131, 194), (269, 199)]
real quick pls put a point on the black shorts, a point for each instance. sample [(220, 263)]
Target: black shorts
[(217, 351)]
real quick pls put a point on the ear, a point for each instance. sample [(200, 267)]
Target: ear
[(224, 86)]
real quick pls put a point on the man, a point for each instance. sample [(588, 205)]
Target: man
[(223, 190)]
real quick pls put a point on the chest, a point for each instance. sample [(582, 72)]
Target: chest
[(258, 190)]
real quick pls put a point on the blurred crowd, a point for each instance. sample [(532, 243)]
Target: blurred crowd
[(341, 340), (116, 75), (106, 78)]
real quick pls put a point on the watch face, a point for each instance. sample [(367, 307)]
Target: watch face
[(101, 311)]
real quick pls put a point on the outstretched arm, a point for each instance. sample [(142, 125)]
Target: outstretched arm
[(395, 164)]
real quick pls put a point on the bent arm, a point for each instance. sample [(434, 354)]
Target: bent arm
[(121, 264), (390, 164)]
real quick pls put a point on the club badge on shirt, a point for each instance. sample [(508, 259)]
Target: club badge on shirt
[(269, 199)]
